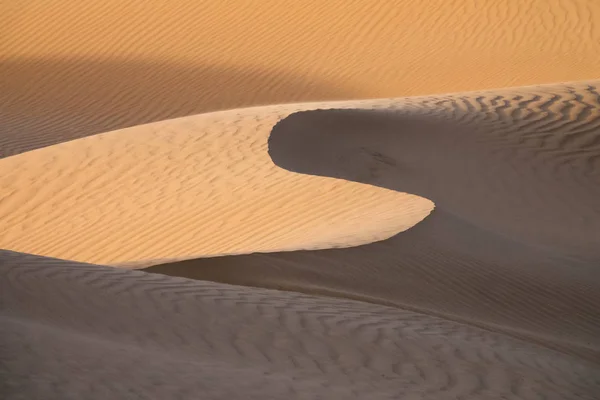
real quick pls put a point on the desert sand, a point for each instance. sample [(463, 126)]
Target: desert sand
[(195, 186), (70, 68), (338, 200), (86, 331), (514, 242)]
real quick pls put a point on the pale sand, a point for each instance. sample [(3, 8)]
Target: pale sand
[(196, 186)]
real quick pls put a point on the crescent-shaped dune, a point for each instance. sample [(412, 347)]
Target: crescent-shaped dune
[(498, 311), (179, 189), (316, 219), (514, 242)]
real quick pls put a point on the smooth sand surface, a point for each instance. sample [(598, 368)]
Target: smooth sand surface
[(494, 295), (80, 331), (195, 186)]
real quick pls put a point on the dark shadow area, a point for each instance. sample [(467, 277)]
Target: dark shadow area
[(539, 194), (512, 246), (48, 101)]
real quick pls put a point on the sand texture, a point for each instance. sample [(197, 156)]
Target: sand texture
[(501, 280), (70, 68), (74, 331), (196, 186), (514, 242), (289, 199)]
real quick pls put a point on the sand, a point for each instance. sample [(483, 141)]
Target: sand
[(79, 68), (195, 186), (86, 331), (498, 287), (417, 246), (514, 242)]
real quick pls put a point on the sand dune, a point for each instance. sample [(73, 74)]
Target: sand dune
[(514, 242), (414, 48), (75, 331), (108, 156), (127, 192), (196, 186)]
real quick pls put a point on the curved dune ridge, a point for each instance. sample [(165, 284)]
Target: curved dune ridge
[(514, 243), (184, 188), (294, 248), (498, 311), (95, 332)]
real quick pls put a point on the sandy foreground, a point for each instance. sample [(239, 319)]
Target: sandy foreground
[(501, 280), (416, 246)]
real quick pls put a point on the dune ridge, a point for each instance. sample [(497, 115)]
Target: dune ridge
[(513, 244), (184, 188), (201, 162)]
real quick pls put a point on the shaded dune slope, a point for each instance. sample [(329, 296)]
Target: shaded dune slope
[(514, 242), (73, 331)]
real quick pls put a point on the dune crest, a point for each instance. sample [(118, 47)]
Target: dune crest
[(190, 187), (514, 242)]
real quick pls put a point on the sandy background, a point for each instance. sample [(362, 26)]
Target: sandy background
[(89, 67)]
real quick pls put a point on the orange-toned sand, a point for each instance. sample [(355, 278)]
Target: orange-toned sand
[(360, 49), (81, 67), (190, 187), (126, 140)]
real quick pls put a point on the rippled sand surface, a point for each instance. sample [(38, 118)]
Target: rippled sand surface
[(417, 246)]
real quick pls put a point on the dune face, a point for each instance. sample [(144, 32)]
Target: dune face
[(513, 245), (95, 332), (414, 48), (277, 164), (522, 164), (179, 189)]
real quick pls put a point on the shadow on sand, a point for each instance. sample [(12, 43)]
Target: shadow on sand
[(511, 247)]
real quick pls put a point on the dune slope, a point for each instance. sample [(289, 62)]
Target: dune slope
[(495, 295), (514, 242), (75, 331), (177, 189)]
